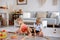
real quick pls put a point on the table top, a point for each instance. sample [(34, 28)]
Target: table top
[(25, 37), (46, 31)]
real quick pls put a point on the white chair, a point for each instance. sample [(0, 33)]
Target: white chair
[(50, 21), (44, 23)]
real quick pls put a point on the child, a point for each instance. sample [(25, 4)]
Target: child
[(23, 27), (37, 28)]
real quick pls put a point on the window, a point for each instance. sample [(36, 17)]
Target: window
[(26, 15)]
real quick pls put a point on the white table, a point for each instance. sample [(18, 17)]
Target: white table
[(50, 32), (46, 31), (9, 29)]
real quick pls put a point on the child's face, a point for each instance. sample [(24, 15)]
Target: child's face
[(20, 22)]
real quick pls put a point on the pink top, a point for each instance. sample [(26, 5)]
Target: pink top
[(24, 28)]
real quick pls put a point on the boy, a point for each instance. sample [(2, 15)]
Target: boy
[(37, 28)]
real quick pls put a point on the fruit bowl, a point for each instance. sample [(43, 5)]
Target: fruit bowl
[(3, 35)]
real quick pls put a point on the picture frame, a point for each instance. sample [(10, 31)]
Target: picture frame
[(42, 2), (54, 2), (21, 2)]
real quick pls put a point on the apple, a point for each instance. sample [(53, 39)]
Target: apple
[(1, 34), (3, 30)]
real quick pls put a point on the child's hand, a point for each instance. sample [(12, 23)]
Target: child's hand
[(17, 31), (30, 34)]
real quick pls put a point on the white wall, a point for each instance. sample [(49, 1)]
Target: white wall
[(32, 5), (59, 6)]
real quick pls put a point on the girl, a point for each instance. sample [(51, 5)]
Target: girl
[(24, 29), (37, 28)]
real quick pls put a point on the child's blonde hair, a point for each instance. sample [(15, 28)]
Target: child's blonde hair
[(38, 20)]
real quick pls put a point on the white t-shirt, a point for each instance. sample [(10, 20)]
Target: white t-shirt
[(37, 27)]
